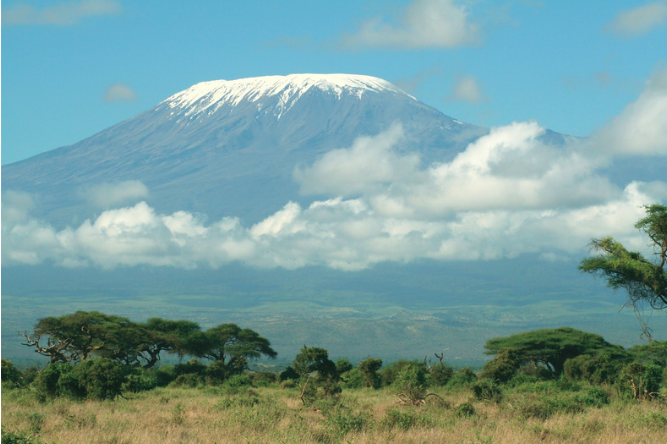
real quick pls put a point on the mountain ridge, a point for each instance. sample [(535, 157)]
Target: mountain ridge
[(239, 160)]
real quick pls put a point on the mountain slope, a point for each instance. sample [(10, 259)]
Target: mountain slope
[(230, 147)]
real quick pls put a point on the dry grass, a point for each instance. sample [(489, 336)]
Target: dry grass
[(272, 415)]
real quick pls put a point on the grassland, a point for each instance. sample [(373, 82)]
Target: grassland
[(529, 413)]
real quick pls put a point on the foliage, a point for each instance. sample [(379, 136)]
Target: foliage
[(317, 374), (552, 347), (465, 410), (369, 369), (594, 369), (440, 374), (462, 378), (46, 384), (77, 337), (17, 438), (653, 353), (487, 390), (230, 346), (639, 381), (11, 376), (343, 366), (644, 280), (503, 366)]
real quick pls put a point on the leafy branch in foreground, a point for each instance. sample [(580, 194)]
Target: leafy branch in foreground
[(643, 279)]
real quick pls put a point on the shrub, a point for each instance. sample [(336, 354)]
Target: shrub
[(440, 374), (46, 383), (288, 373), (190, 380), (411, 380), (390, 372), (465, 410), (98, 378), (343, 366), (368, 368), (17, 438), (639, 380), (463, 378), (596, 369), (165, 375), (397, 419), (353, 379), (503, 367), (264, 378), (487, 390), (11, 376), (139, 379)]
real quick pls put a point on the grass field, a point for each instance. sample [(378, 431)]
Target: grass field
[(533, 413)]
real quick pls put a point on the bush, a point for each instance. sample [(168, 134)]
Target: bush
[(98, 378), (465, 410), (11, 376), (352, 379), (190, 380), (398, 419), (288, 373), (46, 383), (139, 379), (343, 366), (264, 378), (597, 369), (440, 375), (503, 367), (639, 380), (463, 378), (368, 368), (487, 390), (165, 375), (17, 438)]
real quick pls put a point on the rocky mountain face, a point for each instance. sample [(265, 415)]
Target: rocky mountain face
[(229, 148)]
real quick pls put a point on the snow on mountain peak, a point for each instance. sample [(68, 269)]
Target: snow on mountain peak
[(207, 97)]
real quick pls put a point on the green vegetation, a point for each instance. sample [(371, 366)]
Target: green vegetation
[(537, 382), (644, 280)]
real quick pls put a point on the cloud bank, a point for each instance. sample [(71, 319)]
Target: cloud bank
[(509, 193), (424, 24), (62, 14)]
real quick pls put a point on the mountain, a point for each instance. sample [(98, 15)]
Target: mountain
[(229, 148)]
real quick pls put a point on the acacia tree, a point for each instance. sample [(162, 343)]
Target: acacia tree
[(229, 346), (79, 336), (552, 347), (643, 279)]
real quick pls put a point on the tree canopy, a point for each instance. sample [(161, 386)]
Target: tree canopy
[(552, 347), (643, 279), (79, 336)]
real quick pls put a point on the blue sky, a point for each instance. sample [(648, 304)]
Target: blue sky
[(73, 68)]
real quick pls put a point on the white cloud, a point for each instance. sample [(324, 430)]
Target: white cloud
[(424, 24), (107, 195), (467, 89), (120, 93), (641, 128), (63, 14), (639, 21)]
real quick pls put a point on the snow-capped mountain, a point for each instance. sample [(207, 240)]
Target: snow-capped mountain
[(230, 147)]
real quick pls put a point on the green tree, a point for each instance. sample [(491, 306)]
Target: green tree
[(369, 369), (552, 347), (644, 280), (11, 375), (504, 366), (317, 374), (229, 345)]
